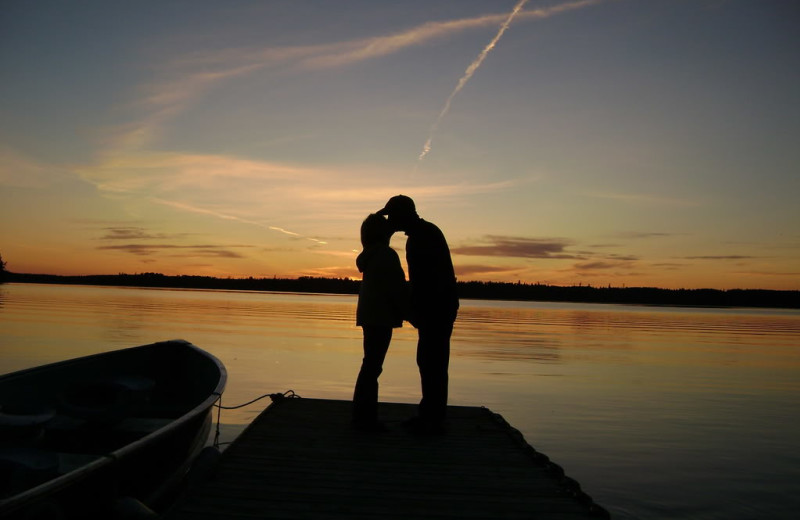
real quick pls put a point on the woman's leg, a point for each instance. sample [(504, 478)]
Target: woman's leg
[(365, 397)]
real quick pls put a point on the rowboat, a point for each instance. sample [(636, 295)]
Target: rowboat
[(79, 436)]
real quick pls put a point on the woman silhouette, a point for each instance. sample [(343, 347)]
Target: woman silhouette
[(381, 307)]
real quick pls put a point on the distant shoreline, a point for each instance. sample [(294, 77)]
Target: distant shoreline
[(758, 298)]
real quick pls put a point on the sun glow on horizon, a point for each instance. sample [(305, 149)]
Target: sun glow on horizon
[(585, 142)]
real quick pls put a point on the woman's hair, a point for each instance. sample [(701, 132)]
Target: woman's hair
[(375, 230)]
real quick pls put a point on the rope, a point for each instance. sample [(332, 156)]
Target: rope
[(274, 397), (289, 394), (219, 413)]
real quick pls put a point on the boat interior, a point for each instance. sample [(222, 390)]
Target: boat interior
[(59, 418)]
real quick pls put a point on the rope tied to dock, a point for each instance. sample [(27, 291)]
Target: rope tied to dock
[(289, 394), (276, 396)]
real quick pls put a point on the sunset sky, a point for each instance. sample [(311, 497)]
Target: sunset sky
[(622, 142)]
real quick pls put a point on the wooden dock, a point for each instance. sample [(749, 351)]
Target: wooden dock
[(300, 459)]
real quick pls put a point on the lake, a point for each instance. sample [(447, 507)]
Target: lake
[(659, 412)]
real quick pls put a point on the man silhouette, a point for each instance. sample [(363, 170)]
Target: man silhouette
[(433, 307)]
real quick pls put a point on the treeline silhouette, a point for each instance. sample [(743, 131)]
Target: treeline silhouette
[(468, 290), (303, 284), (631, 295)]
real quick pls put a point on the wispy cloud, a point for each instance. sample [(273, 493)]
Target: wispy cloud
[(221, 64), (596, 265), (670, 266), (371, 191), (202, 250), (517, 247), (262, 193), (135, 233), (778, 274), (137, 172), (21, 171), (348, 53), (477, 62), (193, 209), (487, 270), (720, 257), (468, 75), (637, 235), (140, 241), (183, 80), (249, 191)]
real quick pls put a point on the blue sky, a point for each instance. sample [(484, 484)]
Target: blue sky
[(623, 142)]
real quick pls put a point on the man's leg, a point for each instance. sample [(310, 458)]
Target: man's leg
[(433, 359)]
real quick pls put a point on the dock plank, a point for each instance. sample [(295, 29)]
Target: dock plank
[(300, 459)]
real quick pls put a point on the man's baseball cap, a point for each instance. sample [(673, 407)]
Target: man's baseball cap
[(399, 204)]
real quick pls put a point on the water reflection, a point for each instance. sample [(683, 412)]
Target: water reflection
[(635, 402)]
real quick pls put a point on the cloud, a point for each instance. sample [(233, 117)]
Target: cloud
[(192, 250), (337, 271), (138, 245), (603, 246), (720, 257), (622, 258), (140, 172), (378, 192), (21, 171), (517, 247), (226, 63), (223, 216), (263, 193), (467, 270), (769, 273), (181, 81), (592, 266), (134, 233), (471, 69), (672, 266), (643, 234), (253, 192)]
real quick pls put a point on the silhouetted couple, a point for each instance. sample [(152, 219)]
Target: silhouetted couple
[(429, 303)]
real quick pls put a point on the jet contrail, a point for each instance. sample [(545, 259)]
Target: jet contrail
[(224, 216), (468, 74)]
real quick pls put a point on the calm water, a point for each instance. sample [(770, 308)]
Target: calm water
[(660, 413)]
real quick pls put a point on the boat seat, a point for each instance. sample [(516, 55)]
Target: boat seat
[(18, 423), (23, 468), (143, 425), (106, 401), (72, 435)]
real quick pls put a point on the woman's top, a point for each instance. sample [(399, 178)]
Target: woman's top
[(382, 299)]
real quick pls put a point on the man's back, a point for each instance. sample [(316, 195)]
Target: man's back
[(434, 296)]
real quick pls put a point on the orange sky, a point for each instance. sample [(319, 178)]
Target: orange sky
[(595, 142)]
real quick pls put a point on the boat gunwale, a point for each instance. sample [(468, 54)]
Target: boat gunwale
[(123, 453)]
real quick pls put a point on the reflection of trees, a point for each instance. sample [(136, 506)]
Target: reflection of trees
[(506, 334)]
